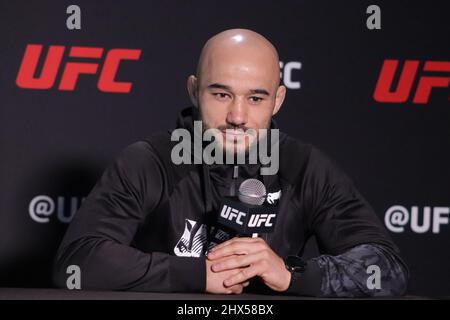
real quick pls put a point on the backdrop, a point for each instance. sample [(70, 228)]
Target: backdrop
[(375, 100)]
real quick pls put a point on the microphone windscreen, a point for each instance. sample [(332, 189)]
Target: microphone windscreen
[(252, 191)]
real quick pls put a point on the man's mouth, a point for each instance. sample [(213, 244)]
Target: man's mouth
[(237, 133), (235, 136)]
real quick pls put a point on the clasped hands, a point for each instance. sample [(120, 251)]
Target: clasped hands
[(231, 264)]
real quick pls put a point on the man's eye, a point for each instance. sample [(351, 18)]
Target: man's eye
[(256, 99), (220, 95)]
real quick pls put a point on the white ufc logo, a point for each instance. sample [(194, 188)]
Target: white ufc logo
[(257, 220), (286, 74), (232, 214)]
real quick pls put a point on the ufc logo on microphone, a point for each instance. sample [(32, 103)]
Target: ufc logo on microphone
[(257, 220), (232, 214), (384, 92), (26, 78)]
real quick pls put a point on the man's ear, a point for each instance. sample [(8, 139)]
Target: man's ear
[(279, 98), (192, 87)]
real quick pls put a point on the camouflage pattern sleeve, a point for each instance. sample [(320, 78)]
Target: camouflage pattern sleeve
[(350, 274)]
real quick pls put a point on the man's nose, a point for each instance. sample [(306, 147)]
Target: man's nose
[(237, 113)]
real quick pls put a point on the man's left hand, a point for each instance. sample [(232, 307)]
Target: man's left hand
[(255, 257)]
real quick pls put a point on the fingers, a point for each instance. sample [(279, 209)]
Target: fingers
[(236, 289), (225, 251), (237, 262), (243, 276), (241, 259), (234, 240), (237, 246)]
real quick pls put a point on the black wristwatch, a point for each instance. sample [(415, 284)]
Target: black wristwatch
[(296, 266)]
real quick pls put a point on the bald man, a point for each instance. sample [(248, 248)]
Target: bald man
[(151, 223)]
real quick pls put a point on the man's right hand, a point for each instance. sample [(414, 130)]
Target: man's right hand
[(215, 280)]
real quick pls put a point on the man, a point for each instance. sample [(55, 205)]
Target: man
[(148, 223)]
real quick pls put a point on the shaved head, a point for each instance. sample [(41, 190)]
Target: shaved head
[(237, 83), (239, 43)]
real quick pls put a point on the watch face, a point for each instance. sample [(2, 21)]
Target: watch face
[(295, 264)]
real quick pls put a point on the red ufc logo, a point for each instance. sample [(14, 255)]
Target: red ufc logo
[(106, 82), (384, 92)]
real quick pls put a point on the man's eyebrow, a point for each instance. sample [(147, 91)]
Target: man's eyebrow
[(219, 86), (260, 91), (228, 88)]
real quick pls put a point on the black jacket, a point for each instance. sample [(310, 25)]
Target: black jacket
[(145, 224)]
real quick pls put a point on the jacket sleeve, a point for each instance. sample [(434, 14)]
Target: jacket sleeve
[(349, 235), (99, 237), (367, 270)]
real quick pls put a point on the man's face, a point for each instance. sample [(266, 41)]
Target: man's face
[(236, 92)]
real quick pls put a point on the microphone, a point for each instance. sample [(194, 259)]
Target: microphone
[(252, 191), (249, 215)]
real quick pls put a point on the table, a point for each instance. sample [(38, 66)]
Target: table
[(61, 294)]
